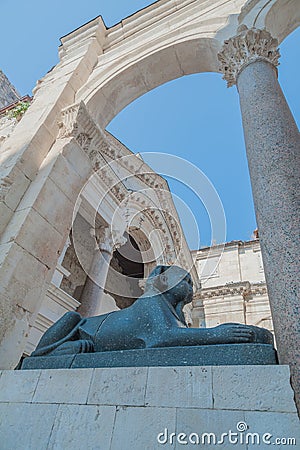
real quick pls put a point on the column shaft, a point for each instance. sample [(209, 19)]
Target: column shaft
[(273, 150), (93, 290)]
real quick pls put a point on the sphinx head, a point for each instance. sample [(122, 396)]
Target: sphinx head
[(172, 281)]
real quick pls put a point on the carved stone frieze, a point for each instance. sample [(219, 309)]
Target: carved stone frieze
[(246, 289), (248, 46), (76, 122)]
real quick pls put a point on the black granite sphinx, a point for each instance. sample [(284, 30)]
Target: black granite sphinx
[(150, 332)]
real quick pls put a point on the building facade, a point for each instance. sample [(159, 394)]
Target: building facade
[(233, 286)]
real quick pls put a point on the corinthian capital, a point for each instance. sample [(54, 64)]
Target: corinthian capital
[(248, 46), (107, 240)]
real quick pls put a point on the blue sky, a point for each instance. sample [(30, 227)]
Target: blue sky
[(195, 117)]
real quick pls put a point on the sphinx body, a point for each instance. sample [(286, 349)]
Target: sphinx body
[(155, 320)]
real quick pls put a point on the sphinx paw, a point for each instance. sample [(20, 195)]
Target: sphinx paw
[(73, 348)]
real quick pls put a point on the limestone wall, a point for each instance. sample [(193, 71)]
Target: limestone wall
[(8, 93), (233, 285), (128, 408), (237, 261)]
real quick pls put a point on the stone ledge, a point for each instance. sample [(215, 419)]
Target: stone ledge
[(243, 388), (204, 355), (113, 408)]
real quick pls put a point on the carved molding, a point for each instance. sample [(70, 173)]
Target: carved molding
[(76, 122), (246, 289), (248, 46)]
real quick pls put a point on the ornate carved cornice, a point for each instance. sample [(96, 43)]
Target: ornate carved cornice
[(76, 122), (245, 288), (248, 46)]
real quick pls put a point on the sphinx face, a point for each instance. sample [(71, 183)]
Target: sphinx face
[(176, 282), (183, 291)]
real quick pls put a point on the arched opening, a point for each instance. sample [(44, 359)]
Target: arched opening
[(128, 268)]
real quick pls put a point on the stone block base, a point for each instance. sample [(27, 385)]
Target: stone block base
[(148, 408), (201, 355)]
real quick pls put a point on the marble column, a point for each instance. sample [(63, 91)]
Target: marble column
[(250, 61), (106, 241)]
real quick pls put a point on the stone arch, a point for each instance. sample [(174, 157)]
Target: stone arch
[(120, 77), (105, 96), (279, 17)]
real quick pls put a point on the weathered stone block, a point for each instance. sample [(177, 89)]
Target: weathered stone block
[(119, 386), (78, 427), (43, 243), (67, 178), (253, 388), (52, 204), (197, 56), (18, 285), (63, 386), (5, 216), (186, 386), (155, 73), (18, 183), (142, 426), (26, 426), (208, 425), (78, 159), (16, 388), (276, 425), (124, 88), (29, 144)]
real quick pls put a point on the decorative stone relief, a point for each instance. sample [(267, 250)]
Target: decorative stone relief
[(244, 288), (107, 240), (76, 122), (245, 48)]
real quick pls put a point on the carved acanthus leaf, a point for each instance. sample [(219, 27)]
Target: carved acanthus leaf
[(248, 46), (107, 240)]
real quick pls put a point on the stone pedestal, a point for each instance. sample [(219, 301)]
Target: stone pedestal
[(142, 408), (200, 355)]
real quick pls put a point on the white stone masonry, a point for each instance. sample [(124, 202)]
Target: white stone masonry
[(129, 408)]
